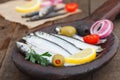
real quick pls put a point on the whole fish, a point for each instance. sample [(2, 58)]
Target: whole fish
[(46, 44), (52, 14), (25, 48), (41, 13), (30, 14), (46, 10), (79, 43), (65, 44)]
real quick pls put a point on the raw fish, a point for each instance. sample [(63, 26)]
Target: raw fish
[(25, 48)]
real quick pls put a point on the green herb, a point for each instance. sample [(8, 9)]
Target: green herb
[(36, 58)]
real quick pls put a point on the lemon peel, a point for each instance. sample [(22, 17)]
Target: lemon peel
[(30, 6), (85, 56)]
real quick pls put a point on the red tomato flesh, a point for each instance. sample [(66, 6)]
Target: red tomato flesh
[(71, 7), (91, 39)]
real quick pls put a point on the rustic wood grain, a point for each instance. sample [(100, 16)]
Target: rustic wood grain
[(8, 69), (95, 4), (6, 32), (2, 1), (109, 10)]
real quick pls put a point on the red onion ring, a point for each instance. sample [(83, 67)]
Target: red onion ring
[(47, 3), (56, 1), (102, 27), (50, 2)]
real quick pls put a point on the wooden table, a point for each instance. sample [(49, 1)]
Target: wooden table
[(11, 32)]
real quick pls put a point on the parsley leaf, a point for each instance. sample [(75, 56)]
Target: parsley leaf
[(46, 54), (36, 58)]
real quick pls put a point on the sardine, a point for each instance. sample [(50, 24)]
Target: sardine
[(52, 14), (65, 44), (25, 48), (79, 43), (30, 14), (46, 10), (45, 44)]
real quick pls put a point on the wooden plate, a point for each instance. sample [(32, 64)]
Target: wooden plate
[(66, 73), (109, 10)]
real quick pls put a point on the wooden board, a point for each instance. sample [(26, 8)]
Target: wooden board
[(5, 37), (94, 5), (83, 5)]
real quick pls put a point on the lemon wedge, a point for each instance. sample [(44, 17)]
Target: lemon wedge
[(82, 57), (30, 6)]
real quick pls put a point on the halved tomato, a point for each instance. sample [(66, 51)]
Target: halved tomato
[(91, 39), (71, 7)]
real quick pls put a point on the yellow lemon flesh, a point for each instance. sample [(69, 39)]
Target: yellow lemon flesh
[(30, 6), (82, 57)]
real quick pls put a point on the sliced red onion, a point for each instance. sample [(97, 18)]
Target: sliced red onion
[(51, 2), (56, 1), (102, 27), (46, 3)]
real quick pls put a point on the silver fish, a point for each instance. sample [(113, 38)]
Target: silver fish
[(46, 10), (45, 44), (65, 44), (25, 48), (30, 14), (79, 43)]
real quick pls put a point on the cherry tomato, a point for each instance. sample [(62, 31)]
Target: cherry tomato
[(71, 7), (91, 39)]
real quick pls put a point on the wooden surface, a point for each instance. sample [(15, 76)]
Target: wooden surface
[(9, 33)]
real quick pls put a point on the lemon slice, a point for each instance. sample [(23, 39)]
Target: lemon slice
[(82, 57), (30, 6)]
